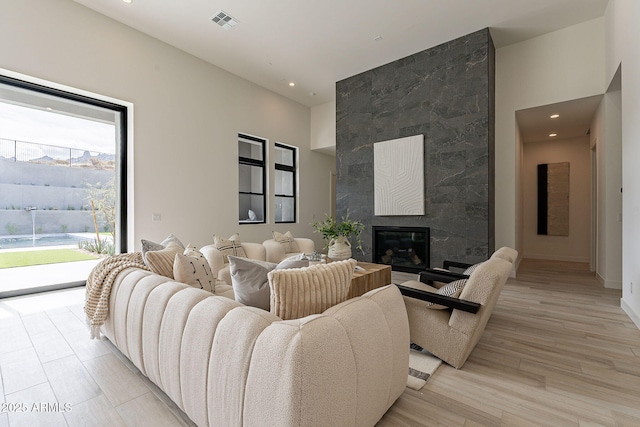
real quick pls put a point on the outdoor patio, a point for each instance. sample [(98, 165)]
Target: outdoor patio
[(37, 278), (43, 277)]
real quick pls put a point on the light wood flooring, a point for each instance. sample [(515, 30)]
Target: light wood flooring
[(558, 351)]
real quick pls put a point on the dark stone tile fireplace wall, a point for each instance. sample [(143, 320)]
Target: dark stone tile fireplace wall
[(445, 93)]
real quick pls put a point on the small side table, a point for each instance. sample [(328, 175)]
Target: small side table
[(374, 276)]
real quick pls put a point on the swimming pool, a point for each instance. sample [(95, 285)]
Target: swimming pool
[(41, 240)]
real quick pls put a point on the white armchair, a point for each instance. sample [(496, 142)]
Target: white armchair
[(275, 251), (452, 333), (220, 266)]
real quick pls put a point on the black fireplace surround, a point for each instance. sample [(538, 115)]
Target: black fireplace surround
[(403, 248)]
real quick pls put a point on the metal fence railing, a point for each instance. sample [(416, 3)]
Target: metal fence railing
[(31, 152)]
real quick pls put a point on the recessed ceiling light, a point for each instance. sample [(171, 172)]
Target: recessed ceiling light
[(292, 84), (128, 1), (554, 116), (553, 135)]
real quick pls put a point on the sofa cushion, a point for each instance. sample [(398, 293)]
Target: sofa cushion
[(231, 246), (287, 241), (161, 261), (452, 289), (192, 268), (300, 292), (250, 282)]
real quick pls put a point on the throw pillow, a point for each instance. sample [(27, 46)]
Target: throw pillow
[(453, 289), (287, 240), (470, 270), (148, 245), (231, 246), (250, 282), (192, 268), (296, 261), (161, 261), (301, 292)]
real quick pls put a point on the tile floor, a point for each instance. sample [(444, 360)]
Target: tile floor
[(52, 374), (47, 358)]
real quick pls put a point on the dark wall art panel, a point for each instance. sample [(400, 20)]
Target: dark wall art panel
[(553, 199)]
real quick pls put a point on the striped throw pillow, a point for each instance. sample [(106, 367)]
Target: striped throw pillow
[(453, 289), (287, 240), (231, 246), (161, 262), (470, 270)]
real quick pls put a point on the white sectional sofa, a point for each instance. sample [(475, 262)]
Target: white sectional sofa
[(220, 268), (276, 252), (225, 364)]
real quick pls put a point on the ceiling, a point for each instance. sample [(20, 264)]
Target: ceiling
[(314, 43), (575, 119)]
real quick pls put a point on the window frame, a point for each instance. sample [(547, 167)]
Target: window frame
[(294, 170), (254, 163)]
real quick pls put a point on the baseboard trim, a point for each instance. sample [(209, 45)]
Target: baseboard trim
[(557, 258), (612, 284), (516, 264), (635, 318), (609, 284), (39, 289)]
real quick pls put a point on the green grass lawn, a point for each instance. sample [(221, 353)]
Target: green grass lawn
[(50, 256)]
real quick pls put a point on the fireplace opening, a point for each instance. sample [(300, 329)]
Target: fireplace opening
[(403, 248)]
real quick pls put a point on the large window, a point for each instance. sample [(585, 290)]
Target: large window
[(63, 185), (252, 178), (285, 183)]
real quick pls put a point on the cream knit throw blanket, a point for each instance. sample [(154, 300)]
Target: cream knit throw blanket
[(99, 282)]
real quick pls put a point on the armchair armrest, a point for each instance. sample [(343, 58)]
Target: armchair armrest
[(447, 264), (456, 303), (429, 276)]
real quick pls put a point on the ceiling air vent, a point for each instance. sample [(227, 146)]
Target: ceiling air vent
[(225, 20)]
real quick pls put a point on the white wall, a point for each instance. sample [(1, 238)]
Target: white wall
[(576, 246), (563, 65), (597, 143), (323, 127), (622, 17), (519, 206), (186, 117), (607, 139), (612, 194)]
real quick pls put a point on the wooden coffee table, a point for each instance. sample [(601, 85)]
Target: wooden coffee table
[(373, 276)]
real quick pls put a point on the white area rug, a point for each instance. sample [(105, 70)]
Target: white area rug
[(422, 365)]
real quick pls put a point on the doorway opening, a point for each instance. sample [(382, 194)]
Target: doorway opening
[(556, 177)]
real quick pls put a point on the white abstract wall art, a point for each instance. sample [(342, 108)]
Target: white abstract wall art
[(398, 175)]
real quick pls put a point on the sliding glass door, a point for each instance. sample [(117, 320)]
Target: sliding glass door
[(62, 185)]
